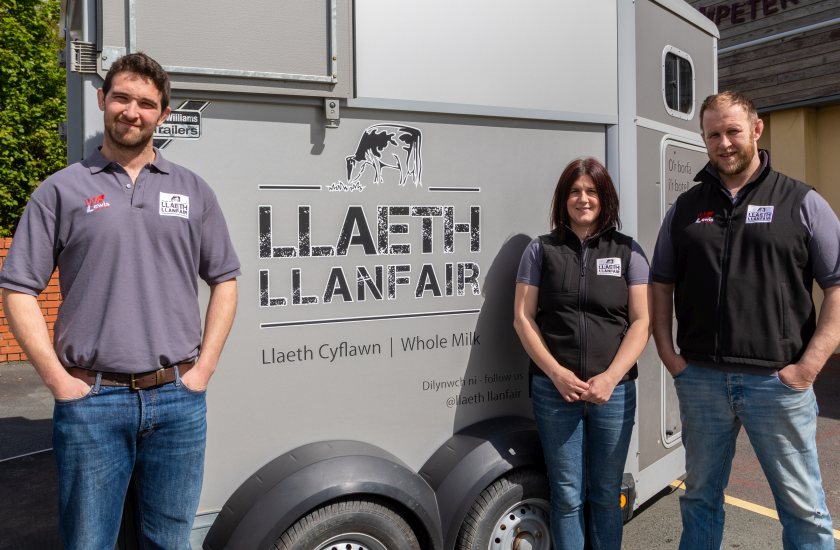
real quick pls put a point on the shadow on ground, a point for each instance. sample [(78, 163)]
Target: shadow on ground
[(29, 507)]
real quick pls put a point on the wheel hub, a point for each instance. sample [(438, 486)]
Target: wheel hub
[(352, 541), (523, 526)]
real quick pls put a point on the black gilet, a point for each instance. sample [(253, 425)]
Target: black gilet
[(582, 306), (743, 290)]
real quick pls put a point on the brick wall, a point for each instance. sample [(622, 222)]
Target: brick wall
[(49, 301)]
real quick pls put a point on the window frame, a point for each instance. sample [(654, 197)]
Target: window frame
[(686, 57)]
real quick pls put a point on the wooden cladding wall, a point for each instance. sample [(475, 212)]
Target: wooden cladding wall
[(803, 67)]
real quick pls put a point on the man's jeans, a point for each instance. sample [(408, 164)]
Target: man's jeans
[(585, 448), (154, 440), (781, 423)]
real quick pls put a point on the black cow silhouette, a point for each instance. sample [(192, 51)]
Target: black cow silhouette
[(387, 146)]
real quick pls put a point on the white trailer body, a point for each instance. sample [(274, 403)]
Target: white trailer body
[(382, 165)]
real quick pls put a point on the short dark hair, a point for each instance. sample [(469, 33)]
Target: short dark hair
[(143, 65), (729, 98), (587, 166)]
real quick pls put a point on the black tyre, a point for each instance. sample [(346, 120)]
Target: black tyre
[(512, 513), (350, 525)]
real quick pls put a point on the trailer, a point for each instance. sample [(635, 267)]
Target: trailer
[(382, 165)]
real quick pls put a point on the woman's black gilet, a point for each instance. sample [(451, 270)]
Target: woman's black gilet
[(582, 308)]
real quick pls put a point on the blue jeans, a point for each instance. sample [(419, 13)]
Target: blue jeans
[(152, 439), (781, 424), (585, 448)]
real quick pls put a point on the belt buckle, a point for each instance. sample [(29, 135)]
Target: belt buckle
[(160, 379)]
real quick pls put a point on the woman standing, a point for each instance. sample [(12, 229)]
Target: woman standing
[(581, 312)]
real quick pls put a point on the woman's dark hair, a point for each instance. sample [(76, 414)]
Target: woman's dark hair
[(143, 65), (607, 196)]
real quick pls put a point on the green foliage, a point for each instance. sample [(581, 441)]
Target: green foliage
[(31, 102)]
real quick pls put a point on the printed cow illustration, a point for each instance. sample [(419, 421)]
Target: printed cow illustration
[(387, 146)]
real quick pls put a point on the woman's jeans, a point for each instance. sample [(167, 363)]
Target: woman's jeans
[(781, 423), (152, 439), (585, 447)]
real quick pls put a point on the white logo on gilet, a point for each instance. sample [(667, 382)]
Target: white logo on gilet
[(759, 214), (609, 266), (175, 205)]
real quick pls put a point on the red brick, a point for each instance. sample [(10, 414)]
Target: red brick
[(49, 301)]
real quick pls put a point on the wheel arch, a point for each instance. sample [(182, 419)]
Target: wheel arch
[(472, 459), (291, 485)]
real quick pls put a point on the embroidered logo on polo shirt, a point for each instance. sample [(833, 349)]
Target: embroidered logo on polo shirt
[(759, 214), (705, 217), (609, 266), (92, 204), (175, 205)]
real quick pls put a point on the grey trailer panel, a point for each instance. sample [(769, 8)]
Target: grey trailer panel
[(320, 349), (657, 28), (548, 56), (300, 47)]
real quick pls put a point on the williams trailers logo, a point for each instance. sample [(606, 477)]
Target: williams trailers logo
[(376, 250), (182, 123)]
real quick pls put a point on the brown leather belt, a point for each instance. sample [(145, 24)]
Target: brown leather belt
[(139, 381)]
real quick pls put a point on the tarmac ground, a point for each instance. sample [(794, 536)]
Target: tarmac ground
[(28, 492)]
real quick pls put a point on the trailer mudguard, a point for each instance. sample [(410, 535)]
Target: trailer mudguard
[(291, 485), (472, 459)]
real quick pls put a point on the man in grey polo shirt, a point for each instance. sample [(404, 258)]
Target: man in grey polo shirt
[(130, 234)]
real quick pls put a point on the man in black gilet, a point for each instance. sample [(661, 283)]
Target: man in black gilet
[(736, 259)]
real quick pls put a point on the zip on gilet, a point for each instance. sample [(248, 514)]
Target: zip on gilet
[(582, 305), (743, 289)]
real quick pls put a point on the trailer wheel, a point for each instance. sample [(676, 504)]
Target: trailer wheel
[(512, 513), (350, 525)]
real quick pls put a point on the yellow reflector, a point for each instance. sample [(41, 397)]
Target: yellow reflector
[(623, 500)]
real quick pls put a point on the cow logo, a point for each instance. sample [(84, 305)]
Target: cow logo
[(385, 152), (92, 204), (759, 214), (609, 266), (705, 217), (175, 205)]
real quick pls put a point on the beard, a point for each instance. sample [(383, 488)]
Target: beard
[(131, 139), (736, 163)]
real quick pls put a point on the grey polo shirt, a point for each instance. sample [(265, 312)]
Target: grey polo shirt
[(128, 255)]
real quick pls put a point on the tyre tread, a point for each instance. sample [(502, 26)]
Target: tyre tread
[(304, 527), (469, 537)]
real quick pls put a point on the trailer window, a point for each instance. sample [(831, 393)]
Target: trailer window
[(678, 83)]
